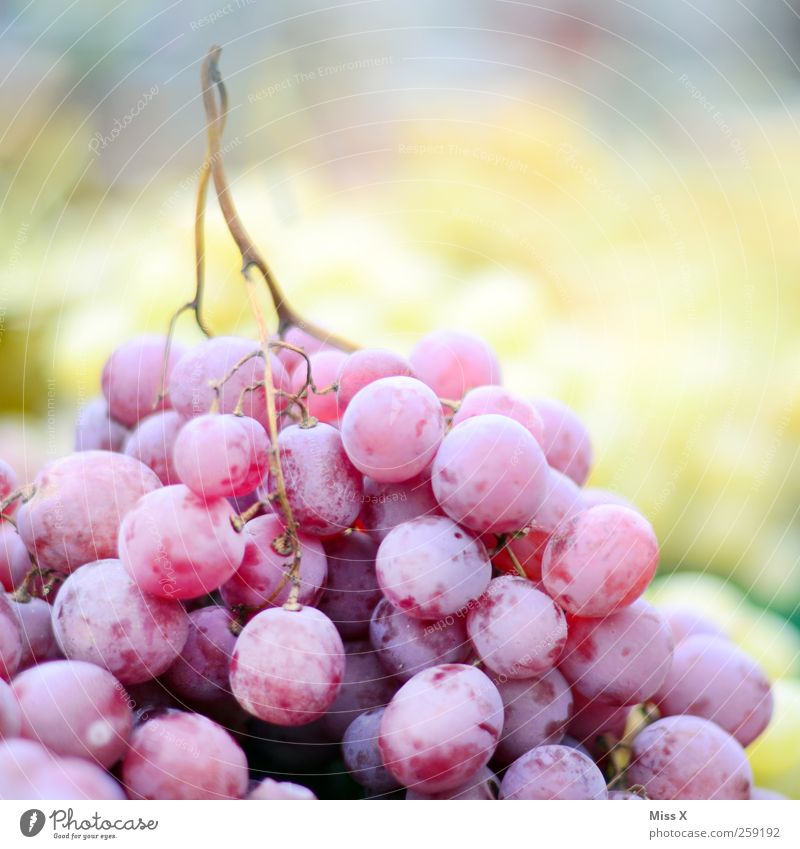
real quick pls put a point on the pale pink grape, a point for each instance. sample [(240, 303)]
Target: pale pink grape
[(200, 673), (352, 591), (10, 713), (75, 514), (490, 474), (300, 339), (565, 441), (600, 560), (184, 756), (622, 659), (288, 666), (323, 487), (441, 728), (553, 772), (593, 497), (503, 402), (262, 579), (281, 790), (101, 616), (36, 630), (482, 787), (75, 708), (536, 712), (387, 505), (221, 456), (176, 545), (8, 483), (153, 441), (325, 367), (406, 646), (362, 756), (430, 568), (518, 631), (10, 640), (713, 678), (685, 622), (14, 560), (366, 366), (95, 430), (132, 376), (687, 757), (392, 429), (452, 362)]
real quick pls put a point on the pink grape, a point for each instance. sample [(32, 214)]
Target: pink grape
[(517, 631), (565, 441), (221, 455), (392, 428), (95, 430), (280, 790), (562, 500), (288, 666), (190, 386), (300, 339), (592, 497), (361, 755), (153, 442), (352, 590), (503, 402), (622, 659), (36, 630), (687, 757), (200, 672), (10, 713), (323, 487), (75, 708), (553, 772), (592, 719), (406, 646), (365, 685), (10, 640), (184, 756), (685, 622), (441, 728), (101, 616), (8, 483), (29, 771), (366, 366), (452, 363), (430, 568), (536, 712), (75, 515), (713, 678), (600, 560), (132, 377), (176, 545), (482, 787), (325, 367), (387, 505), (490, 474), (262, 579), (14, 560)]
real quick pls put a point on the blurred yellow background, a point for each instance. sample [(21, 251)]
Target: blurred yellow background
[(608, 193)]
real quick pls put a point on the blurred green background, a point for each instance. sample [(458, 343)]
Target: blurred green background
[(607, 192)]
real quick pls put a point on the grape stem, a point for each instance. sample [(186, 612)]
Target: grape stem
[(251, 257)]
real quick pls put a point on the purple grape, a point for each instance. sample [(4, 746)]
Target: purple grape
[(490, 474), (184, 756), (431, 568), (101, 616), (14, 560), (262, 579), (75, 515), (10, 640), (153, 441), (553, 772), (565, 441), (622, 659), (288, 666), (687, 757), (95, 430), (441, 728), (387, 505), (176, 545), (10, 713), (36, 630), (406, 646), (452, 363), (362, 756), (352, 589), (366, 366), (132, 377)]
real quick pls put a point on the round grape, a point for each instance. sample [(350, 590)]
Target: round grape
[(95, 430), (553, 772), (8, 483), (14, 560), (685, 622), (10, 714), (153, 442), (490, 474), (300, 339), (10, 641), (452, 363), (325, 367), (361, 755), (366, 366), (281, 790), (430, 568), (495, 399), (387, 505), (565, 441), (36, 630)]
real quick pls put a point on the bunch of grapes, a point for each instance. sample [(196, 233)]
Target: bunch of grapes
[(283, 557)]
